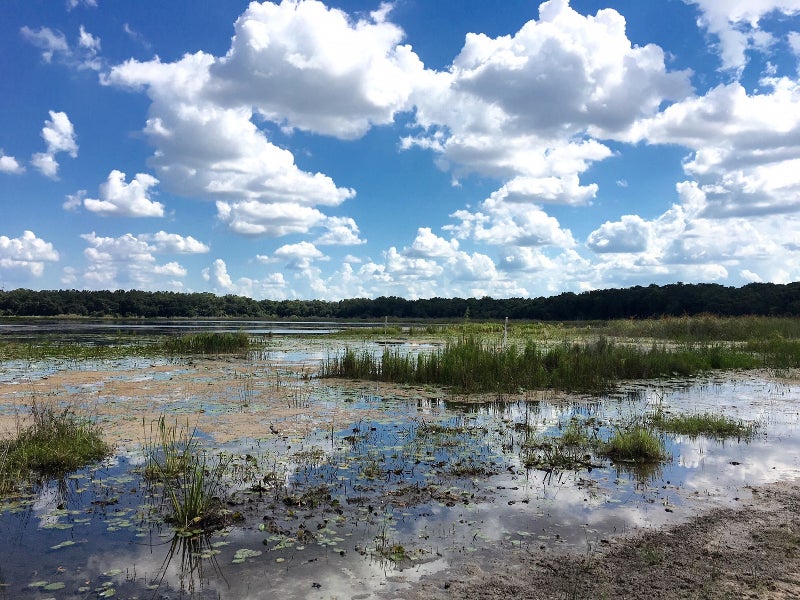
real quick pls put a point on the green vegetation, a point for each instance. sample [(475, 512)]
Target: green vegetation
[(193, 486), (637, 444), (55, 443), (208, 343), (636, 302), (470, 365), (196, 343), (706, 424)]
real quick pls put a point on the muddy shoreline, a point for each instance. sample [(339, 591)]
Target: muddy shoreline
[(751, 551)]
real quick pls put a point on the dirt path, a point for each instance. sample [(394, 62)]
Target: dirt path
[(749, 552)]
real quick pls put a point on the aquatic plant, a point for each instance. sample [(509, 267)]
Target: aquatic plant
[(208, 343), (192, 485), (471, 365), (54, 443), (707, 424), (634, 444)]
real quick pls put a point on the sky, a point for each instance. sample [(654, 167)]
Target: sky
[(415, 148)]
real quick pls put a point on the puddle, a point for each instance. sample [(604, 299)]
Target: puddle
[(362, 489)]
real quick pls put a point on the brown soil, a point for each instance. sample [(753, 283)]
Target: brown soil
[(752, 551)]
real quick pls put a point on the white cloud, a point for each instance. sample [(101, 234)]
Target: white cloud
[(630, 234), (50, 42), (206, 150), (521, 106), (172, 243), (429, 245), (272, 286), (339, 231), (59, 136), (298, 256), (746, 147), (130, 260), (54, 45), (254, 218), (121, 199), (327, 73), (75, 3), (499, 222), (735, 23), (23, 257), (9, 164)]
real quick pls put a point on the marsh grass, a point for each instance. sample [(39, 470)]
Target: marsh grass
[(706, 424), (208, 343), (53, 444), (637, 443), (472, 365), (193, 485)]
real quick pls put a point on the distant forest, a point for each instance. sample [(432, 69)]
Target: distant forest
[(636, 302)]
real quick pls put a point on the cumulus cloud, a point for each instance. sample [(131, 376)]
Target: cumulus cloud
[(207, 150), (327, 73), (746, 146), (298, 256), (9, 164), (75, 3), (25, 257), (121, 199), (339, 231), (514, 106), (735, 23), (131, 260), (59, 136), (272, 286), (510, 224), (172, 243), (630, 234)]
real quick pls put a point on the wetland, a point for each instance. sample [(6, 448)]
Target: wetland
[(326, 486)]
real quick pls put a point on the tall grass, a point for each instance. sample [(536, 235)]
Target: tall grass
[(208, 343), (471, 365), (54, 443), (193, 485)]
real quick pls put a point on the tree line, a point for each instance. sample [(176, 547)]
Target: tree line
[(676, 299)]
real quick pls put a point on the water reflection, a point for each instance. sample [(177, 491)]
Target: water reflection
[(413, 486)]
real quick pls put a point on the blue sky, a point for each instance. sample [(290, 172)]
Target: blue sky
[(353, 148)]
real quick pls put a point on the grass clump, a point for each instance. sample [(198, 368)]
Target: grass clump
[(193, 486), (706, 424), (637, 444), (208, 343), (56, 442)]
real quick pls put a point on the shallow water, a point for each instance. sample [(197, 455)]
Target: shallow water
[(365, 510)]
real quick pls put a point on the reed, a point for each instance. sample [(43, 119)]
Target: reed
[(192, 485), (471, 365), (208, 343)]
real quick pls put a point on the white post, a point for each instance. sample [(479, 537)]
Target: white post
[(505, 333)]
